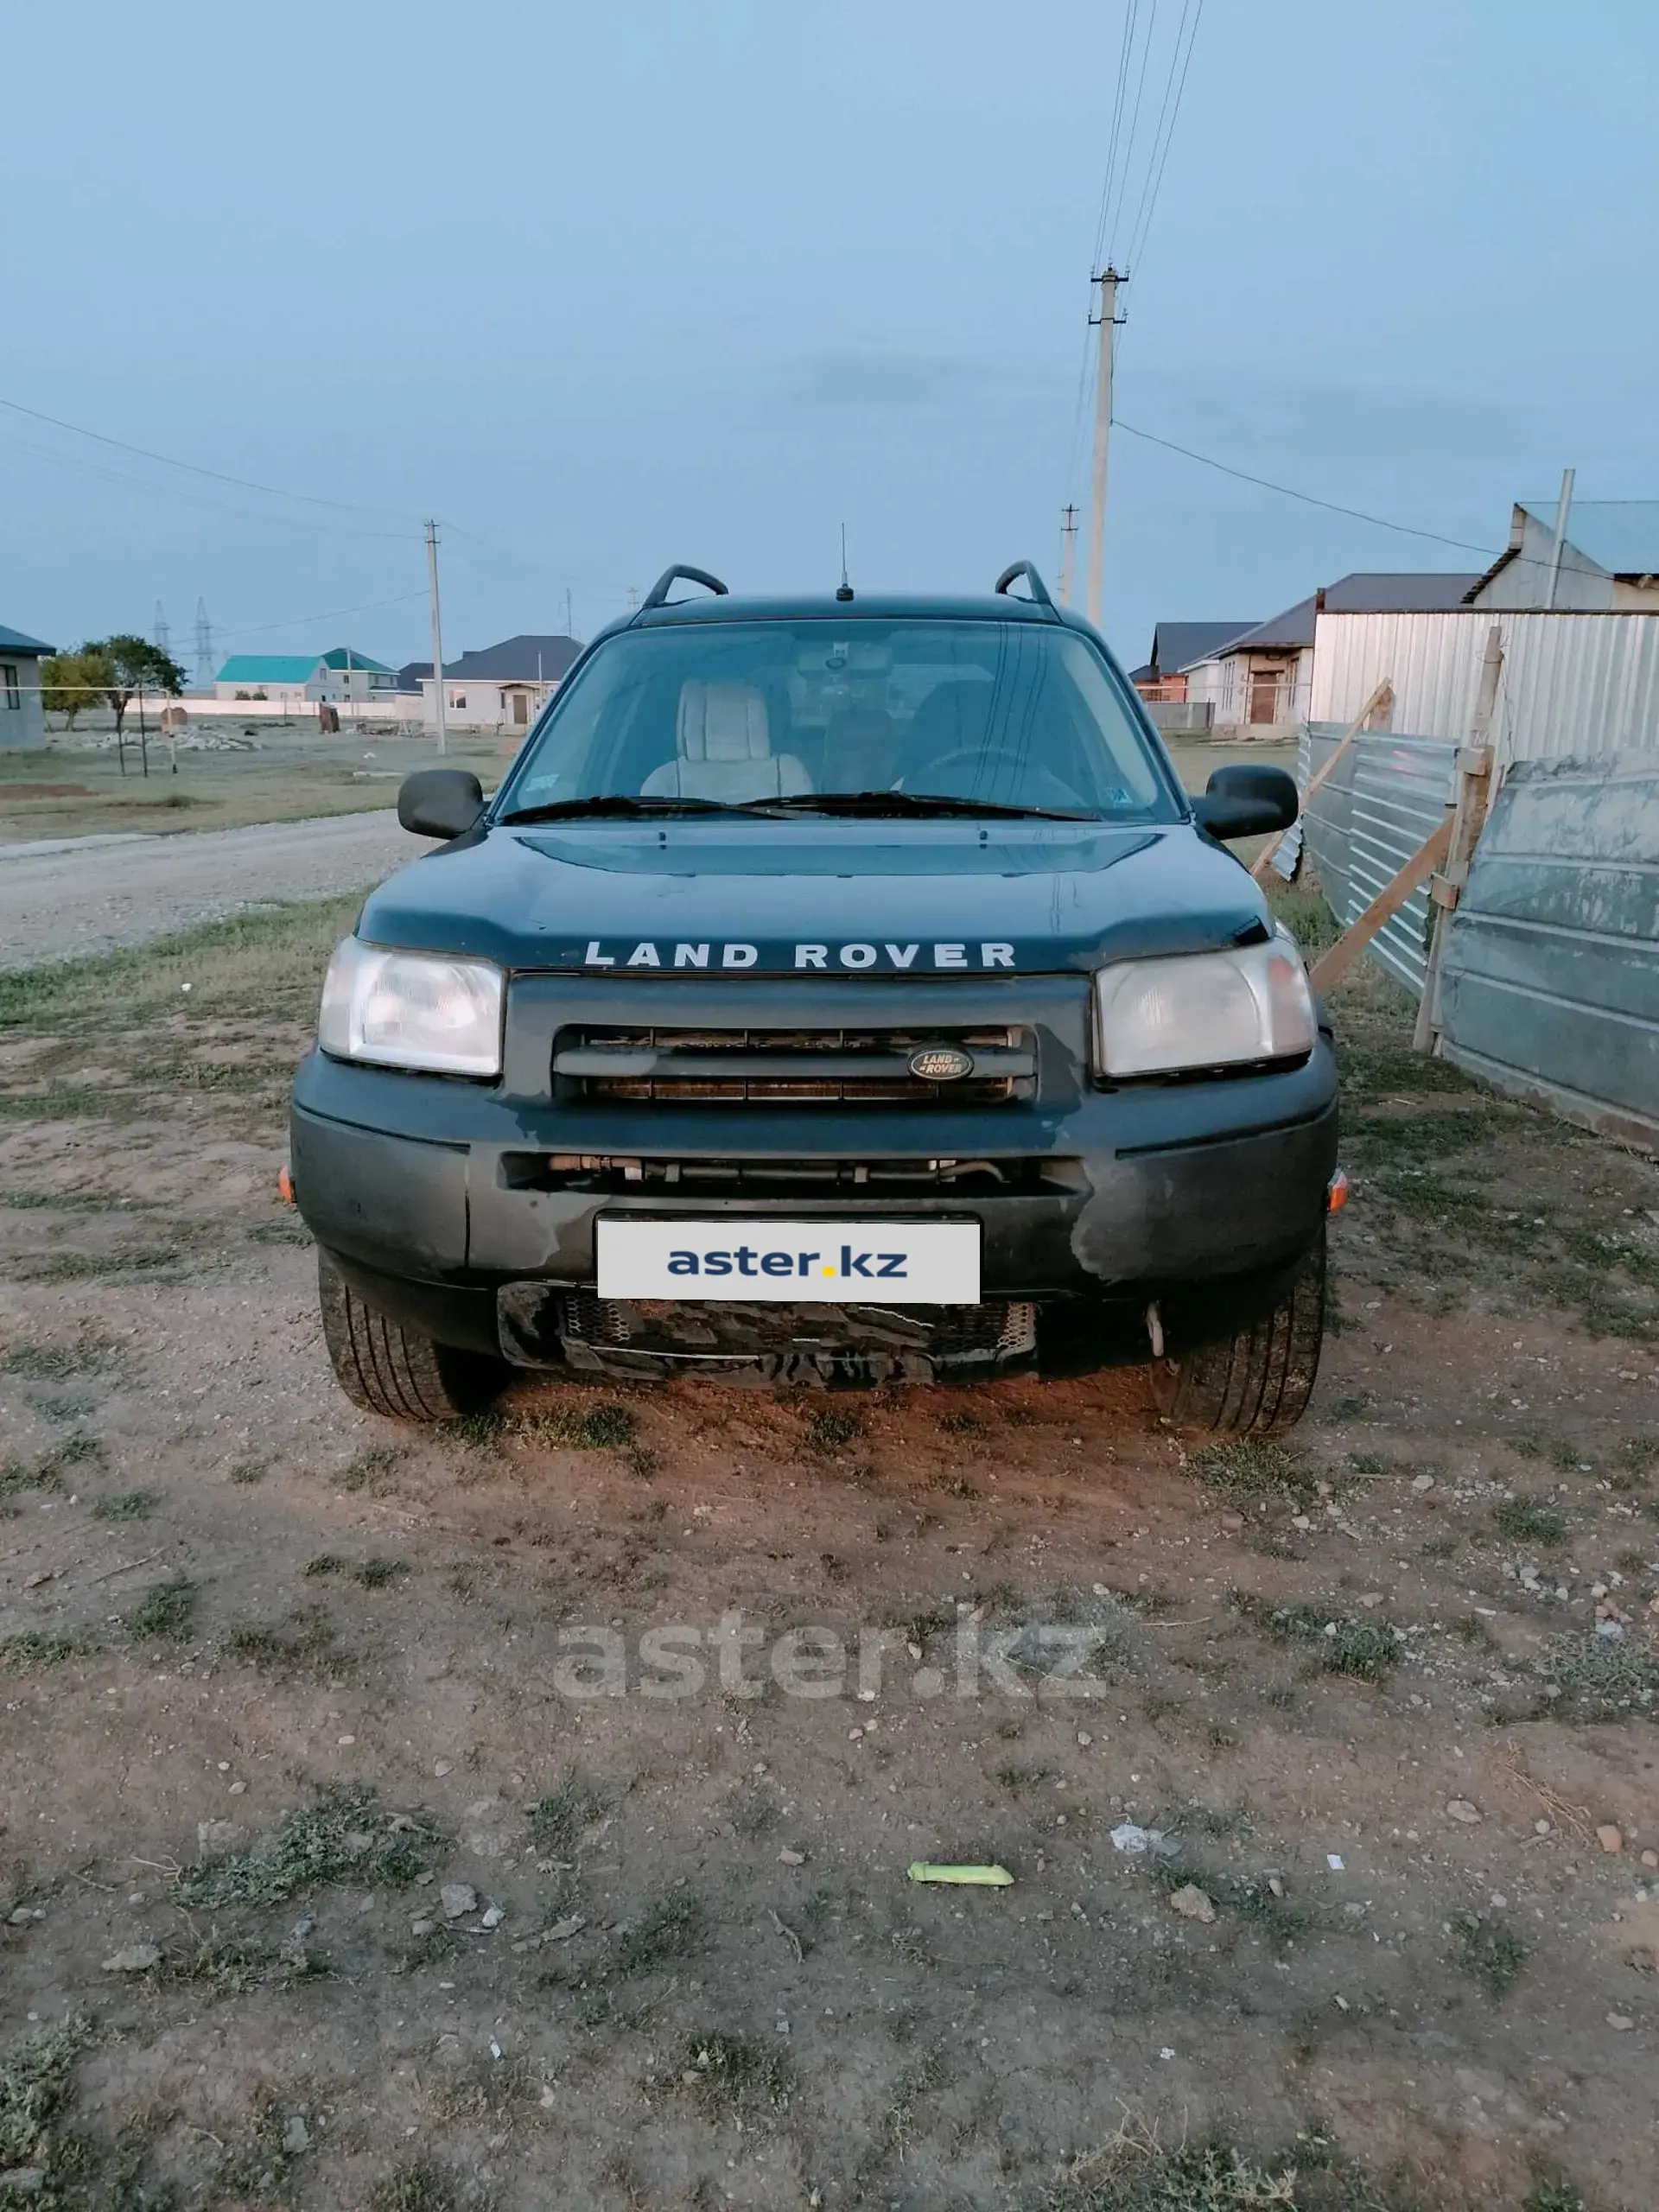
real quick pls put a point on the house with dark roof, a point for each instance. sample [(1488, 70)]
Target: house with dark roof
[(341, 678), (500, 687), (1263, 679), (22, 723), (1609, 559), (1174, 647)]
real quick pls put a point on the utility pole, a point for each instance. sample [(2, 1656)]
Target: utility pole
[(204, 646), (1563, 510), (437, 632), (1107, 320), (1068, 552), (569, 629), (163, 636)]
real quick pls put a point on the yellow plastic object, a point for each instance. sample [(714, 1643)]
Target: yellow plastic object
[(987, 1877)]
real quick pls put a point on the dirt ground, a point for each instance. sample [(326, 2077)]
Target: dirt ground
[(353, 1853)]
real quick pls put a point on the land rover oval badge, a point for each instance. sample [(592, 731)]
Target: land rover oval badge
[(940, 1064)]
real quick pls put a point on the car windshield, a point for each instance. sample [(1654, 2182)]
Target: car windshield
[(901, 716)]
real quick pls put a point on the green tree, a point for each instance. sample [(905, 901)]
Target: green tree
[(73, 682), (134, 662)]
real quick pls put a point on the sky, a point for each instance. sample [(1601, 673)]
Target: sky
[(604, 288)]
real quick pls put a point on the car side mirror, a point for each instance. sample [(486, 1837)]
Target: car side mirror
[(1245, 802), (440, 802)]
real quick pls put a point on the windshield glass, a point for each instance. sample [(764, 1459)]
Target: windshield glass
[(1020, 716)]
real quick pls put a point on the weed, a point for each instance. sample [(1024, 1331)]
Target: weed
[(1353, 1407), (1523, 1521), (249, 1471), (1469, 1629), (228, 1969), (19, 1475), (1491, 1951), (1248, 1467), (367, 1471), (310, 1649), (38, 1362), (1364, 1649), (325, 1563), (164, 1614), (126, 1505), (346, 1837), (418, 2185), (1136, 2174), (671, 1928), (752, 1807), (735, 2077), (27, 1653), (829, 1429), (1595, 1678), (1369, 1463), (36, 2085), (557, 1819), (376, 1574), (1013, 1776), (962, 1423), (1552, 2194)]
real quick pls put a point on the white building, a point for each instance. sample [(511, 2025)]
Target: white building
[(1609, 557), (500, 688)]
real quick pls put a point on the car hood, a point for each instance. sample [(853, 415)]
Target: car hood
[(841, 897)]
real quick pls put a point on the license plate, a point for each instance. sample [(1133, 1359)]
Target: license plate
[(792, 1262)]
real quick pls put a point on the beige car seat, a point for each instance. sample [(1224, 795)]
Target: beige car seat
[(723, 750)]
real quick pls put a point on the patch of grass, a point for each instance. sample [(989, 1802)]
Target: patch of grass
[(30, 1651), (1596, 1678), (671, 1928), (1354, 1407), (344, 1837), (165, 1614), (370, 1468), (325, 1563), (1523, 1521), (1364, 1649), (752, 1808), (376, 1574), (1379, 1140), (1550, 2193), (36, 2086), (1014, 1776), (307, 1647), (828, 1430), (558, 1819), (1369, 1463), (1491, 1951), (248, 1471), (417, 2185), (227, 1968), (1138, 2176), (37, 1361), (1248, 1467), (126, 1505), (735, 2077)]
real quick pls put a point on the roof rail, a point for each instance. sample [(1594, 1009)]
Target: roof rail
[(1038, 588), (657, 595)]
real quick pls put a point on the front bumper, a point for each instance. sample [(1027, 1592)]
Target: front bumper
[(436, 1199)]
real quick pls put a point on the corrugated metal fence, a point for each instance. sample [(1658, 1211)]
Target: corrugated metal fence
[(1550, 988), (1574, 685), (1386, 795)]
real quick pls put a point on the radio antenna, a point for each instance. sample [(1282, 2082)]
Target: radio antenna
[(845, 589)]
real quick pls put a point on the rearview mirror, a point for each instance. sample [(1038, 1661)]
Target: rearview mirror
[(440, 802), (1245, 802)]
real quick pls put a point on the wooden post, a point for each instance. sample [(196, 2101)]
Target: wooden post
[(1383, 696), (1466, 813), (1331, 967)]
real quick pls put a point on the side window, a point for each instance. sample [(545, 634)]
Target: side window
[(8, 680)]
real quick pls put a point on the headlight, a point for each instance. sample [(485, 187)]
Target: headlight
[(411, 1010), (1206, 1009)]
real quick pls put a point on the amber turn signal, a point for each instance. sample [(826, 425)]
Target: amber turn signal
[(1336, 1196)]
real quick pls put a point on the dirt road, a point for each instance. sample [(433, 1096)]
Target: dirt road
[(65, 898), (517, 1815)]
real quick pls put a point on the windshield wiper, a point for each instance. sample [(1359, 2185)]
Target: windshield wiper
[(618, 802), (899, 804)]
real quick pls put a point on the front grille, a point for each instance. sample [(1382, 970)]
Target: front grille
[(784, 1179), (791, 1067), (998, 1329)]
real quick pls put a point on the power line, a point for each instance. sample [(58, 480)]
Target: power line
[(328, 614), (1129, 138), (167, 460), (1123, 51), (1307, 499), (1141, 227)]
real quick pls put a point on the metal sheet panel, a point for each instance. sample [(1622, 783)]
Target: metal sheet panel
[(1551, 980), (1575, 686), (1388, 793)]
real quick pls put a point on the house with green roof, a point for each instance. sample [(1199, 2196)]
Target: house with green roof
[(340, 678), (22, 722)]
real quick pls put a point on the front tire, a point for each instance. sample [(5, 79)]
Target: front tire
[(396, 1372), (1258, 1383)]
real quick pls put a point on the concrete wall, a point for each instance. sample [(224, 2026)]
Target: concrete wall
[(1550, 988), (22, 721)]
